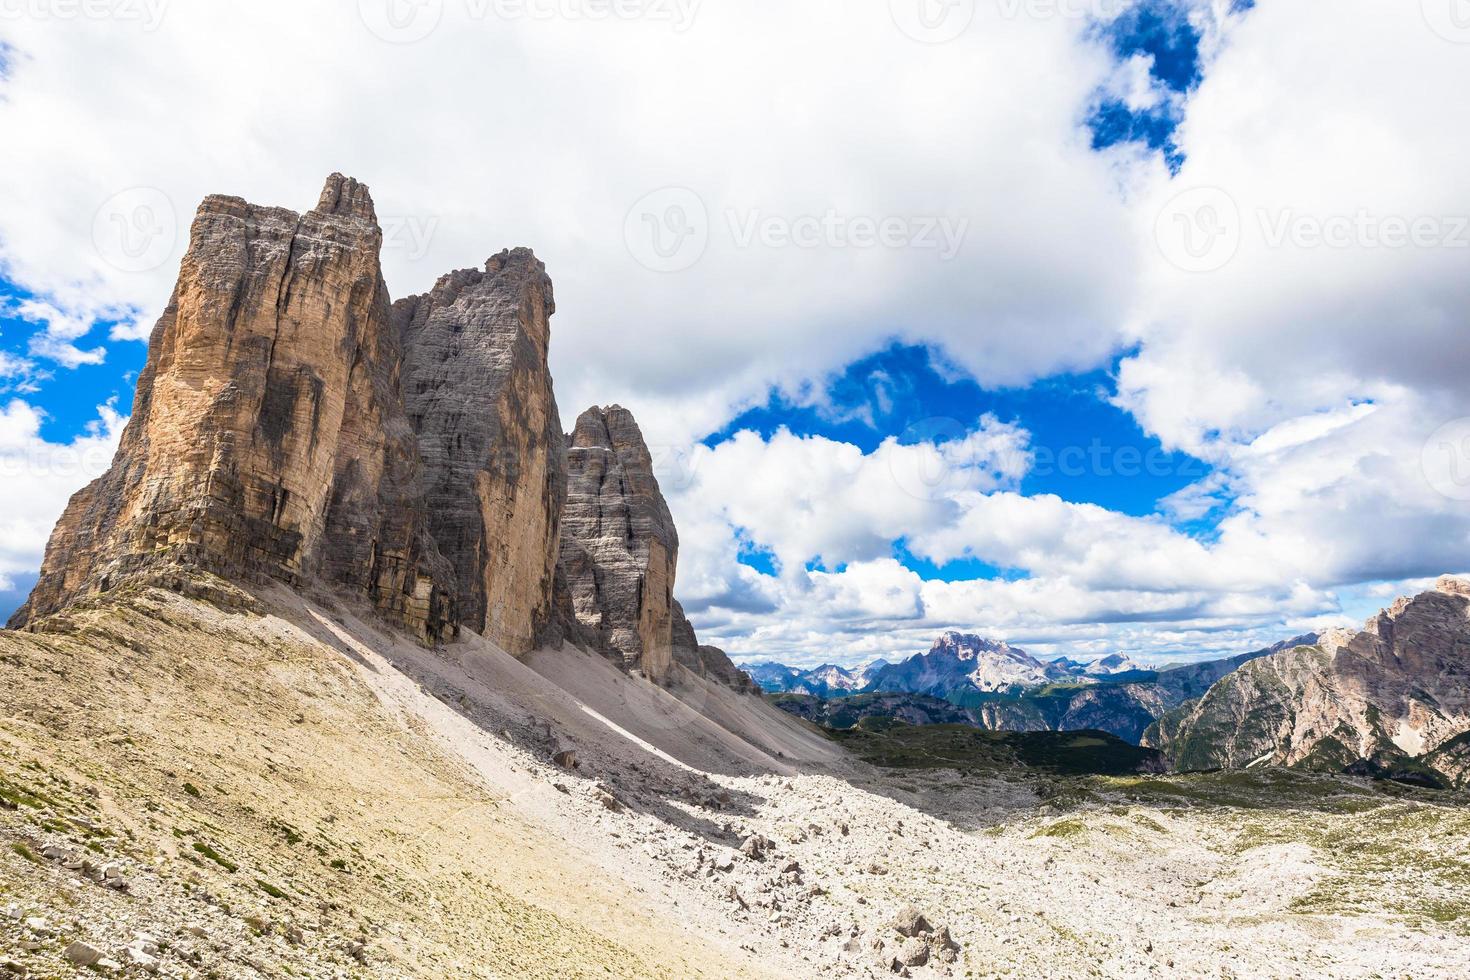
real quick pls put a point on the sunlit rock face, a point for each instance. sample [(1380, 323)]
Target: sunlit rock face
[(619, 548), (267, 437), (1394, 691), (478, 392)]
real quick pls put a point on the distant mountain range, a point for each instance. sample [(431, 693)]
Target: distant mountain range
[(957, 663), (1390, 699), (1002, 688)]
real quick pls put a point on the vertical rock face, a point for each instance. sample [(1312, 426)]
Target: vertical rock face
[(291, 424), (267, 436), (619, 548), (478, 392)]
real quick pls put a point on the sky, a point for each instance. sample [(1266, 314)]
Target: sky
[(1097, 326)]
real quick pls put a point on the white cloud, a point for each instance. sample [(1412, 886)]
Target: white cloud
[(812, 499), (19, 375), (545, 132), (1344, 137), (37, 477), (1309, 375), (56, 340)]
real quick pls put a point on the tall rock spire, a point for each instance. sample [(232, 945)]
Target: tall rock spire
[(292, 425), (619, 547), (267, 437), (478, 392)]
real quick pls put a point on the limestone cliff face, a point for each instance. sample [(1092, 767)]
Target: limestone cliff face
[(619, 548), (292, 424), (267, 436), (1396, 690), (478, 392)]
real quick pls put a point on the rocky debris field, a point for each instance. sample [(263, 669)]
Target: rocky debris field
[(385, 810)]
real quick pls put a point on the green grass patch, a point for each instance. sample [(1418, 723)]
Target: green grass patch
[(25, 852), (270, 889), (885, 742), (13, 796), (1063, 829), (289, 833), (216, 857)]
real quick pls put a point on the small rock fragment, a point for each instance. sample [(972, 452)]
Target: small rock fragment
[(909, 921), (913, 952), (83, 954)]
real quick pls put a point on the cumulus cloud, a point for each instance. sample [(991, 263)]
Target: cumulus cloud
[(37, 477), (758, 109), (1313, 355), (58, 334)]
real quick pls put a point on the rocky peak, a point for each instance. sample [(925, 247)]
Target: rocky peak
[(1453, 585), (346, 198), (619, 548), (967, 646), (292, 424), (478, 392), (964, 663), (267, 437), (1394, 690)]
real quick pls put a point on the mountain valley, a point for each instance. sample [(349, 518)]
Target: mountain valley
[(356, 663)]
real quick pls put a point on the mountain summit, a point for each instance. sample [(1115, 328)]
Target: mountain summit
[(963, 662), (1389, 695), (294, 424)]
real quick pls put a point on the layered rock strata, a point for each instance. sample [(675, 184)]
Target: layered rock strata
[(267, 437), (478, 393), (619, 548), (291, 424), (1394, 691)]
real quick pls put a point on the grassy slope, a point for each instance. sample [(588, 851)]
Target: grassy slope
[(251, 785), (963, 747)]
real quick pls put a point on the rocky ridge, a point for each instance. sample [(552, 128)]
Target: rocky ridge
[(1390, 694), (291, 424), (962, 663), (267, 438), (478, 391)]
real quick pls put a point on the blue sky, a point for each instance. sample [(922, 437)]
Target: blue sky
[(1137, 455)]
